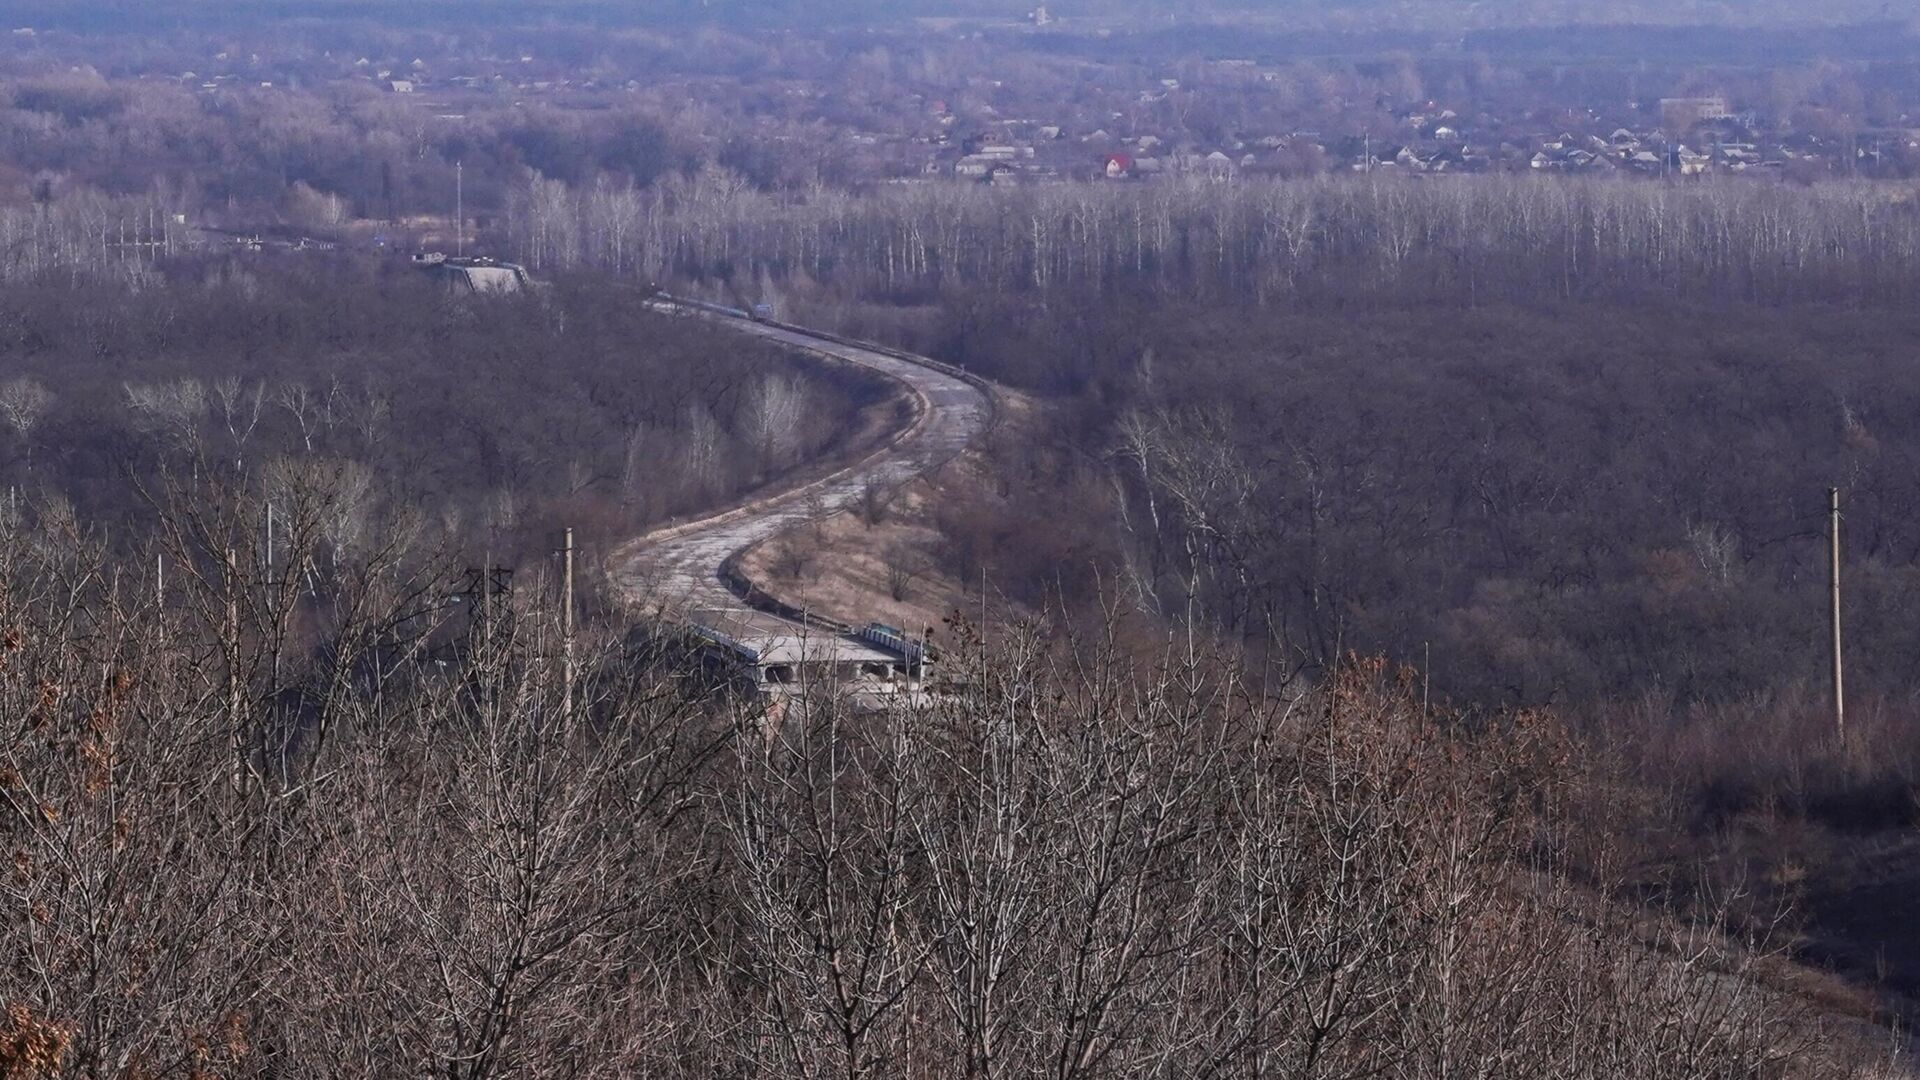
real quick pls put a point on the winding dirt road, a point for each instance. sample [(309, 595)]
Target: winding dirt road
[(680, 569)]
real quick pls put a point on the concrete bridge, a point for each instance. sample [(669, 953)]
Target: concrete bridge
[(687, 570)]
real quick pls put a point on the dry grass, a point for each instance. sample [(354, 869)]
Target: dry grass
[(856, 568), (886, 559)]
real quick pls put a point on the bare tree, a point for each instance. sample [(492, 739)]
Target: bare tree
[(329, 821), (821, 833), (372, 411), (876, 502), (300, 404), (904, 564), (701, 450), (240, 412), (176, 410), (775, 410), (24, 401)]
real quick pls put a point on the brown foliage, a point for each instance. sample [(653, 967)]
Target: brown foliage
[(349, 828), (31, 1046)]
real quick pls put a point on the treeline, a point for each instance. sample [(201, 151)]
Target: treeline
[(1459, 240), (312, 159), (500, 415), (1467, 240), (265, 812)]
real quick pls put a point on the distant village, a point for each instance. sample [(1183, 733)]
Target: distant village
[(1012, 105), (1672, 137)]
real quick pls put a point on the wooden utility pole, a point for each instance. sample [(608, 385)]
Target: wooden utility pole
[(1426, 680), (566, 624), (160, 598), (273, 601), (486, 604), (1839, 675), (231, 648)]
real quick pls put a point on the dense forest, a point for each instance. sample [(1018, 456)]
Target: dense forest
[(503, 420), (1402, 642), (332, 825)]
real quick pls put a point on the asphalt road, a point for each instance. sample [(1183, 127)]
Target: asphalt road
[(678, 569)]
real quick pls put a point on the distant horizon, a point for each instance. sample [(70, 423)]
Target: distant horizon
[(111, 16)]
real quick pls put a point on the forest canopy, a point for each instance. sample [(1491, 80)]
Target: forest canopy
[(1377, 624)]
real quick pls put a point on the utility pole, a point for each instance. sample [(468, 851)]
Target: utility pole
[(981, 674), (486, 607), (459, 208), (566, 625), (231, 648), (1839, 680), (273, 600), (1426, 681)]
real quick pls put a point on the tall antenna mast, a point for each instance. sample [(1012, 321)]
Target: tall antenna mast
[(460, 208)]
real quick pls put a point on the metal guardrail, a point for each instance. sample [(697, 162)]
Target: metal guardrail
[(893, 639)]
